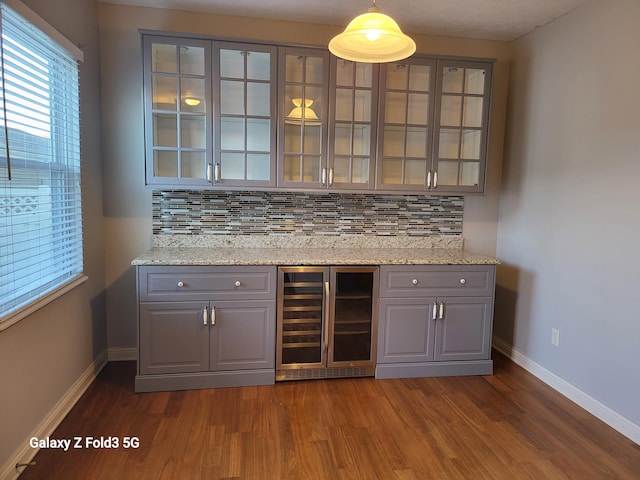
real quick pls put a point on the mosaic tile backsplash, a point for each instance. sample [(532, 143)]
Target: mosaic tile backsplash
[(291, 213)]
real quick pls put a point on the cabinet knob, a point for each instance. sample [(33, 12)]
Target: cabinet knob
[(237, 284), (414, 281), (463, 281), (180, 284)]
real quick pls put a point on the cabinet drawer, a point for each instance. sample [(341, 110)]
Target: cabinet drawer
[(436, 280), (206, 283)]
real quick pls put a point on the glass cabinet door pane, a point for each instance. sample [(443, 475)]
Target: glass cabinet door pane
[(314, 70), (312, 139), (449, 142), (360, 170), (231, 97), (392, 171), (164, 93), (344, 73), (259, 66), (344, 104), (258, 166), (164, 58), (292, 138), (258, 134), (418, 111), (353, 316), (232, 136), (232, 63), (474, 81), (415, 172), (452, 79), (232, 166), (342, 133), (395, 107), (447, 173), (258, 99), (311, 167), (397, 75), (165, 163), (292, 171), (472, 116), (192, 131), (393, 141), (192, 95), (165, 130), (470, 148), (192, 164), (364, 75), (451, 110), (341, 169), (362, 106), (469, 173), (191, 60), (361, 140), (419, 77), (416, 142)]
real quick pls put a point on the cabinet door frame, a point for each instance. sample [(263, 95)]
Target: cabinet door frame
[(233, 329), (221, 182), (194, 341), (484, 129), (284, 108), (454, 340), (152, 179)]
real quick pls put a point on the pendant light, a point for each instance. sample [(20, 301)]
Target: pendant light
[(372, 37)]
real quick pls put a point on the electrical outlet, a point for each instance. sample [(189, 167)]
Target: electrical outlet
[(555, 337)]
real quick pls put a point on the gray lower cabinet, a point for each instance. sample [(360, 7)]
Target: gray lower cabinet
[(205, 327), (435, 320)]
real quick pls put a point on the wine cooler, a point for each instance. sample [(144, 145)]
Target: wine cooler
[(327, 322)]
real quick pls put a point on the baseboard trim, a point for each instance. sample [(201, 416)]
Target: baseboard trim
[(119, 354), (612, 418), (55, 416)]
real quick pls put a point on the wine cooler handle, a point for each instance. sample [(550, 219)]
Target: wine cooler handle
[(327, 304)]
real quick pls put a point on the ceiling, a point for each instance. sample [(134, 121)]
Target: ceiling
[(484, 19)]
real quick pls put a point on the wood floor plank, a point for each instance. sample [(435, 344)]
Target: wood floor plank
[(503, 426)]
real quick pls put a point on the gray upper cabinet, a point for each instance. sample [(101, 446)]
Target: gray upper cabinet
[(209, 113), (220, 114), (433, 125)]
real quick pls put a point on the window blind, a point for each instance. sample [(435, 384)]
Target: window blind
[(40, 199)]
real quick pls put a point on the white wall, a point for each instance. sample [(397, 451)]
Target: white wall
[(45, 354), (128, 203), (570, 205)]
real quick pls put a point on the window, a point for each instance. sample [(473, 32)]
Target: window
[(40, 201)]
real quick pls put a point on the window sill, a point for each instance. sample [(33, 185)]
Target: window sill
[(14, 317)]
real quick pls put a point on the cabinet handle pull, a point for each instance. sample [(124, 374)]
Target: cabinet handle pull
[(330, 176), (429, 179), (463, 281), (434, 315), (213, 316), (441, 312), (209, 170), (237, 284), (435, 179), (180, 284), (323, 178), (217, 173), (205, 316), (414, 281)]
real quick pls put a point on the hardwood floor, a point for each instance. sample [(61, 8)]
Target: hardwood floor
[(505, 426)]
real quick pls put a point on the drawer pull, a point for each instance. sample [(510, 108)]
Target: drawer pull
[(434, 314), (237, 284), (463, 281), (205, 316), (180, 284), (414, 281)]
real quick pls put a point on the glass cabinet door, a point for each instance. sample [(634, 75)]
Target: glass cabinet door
[(353, 315), (245, 129), (407, 97), (462, 122), (301, 315), (303, 117), (178, 105), (352, 133)]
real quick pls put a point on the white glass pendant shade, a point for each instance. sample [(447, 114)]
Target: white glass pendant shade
[(300, 112), (372, 38)]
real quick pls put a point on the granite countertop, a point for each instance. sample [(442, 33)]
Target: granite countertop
[(264, 250)]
